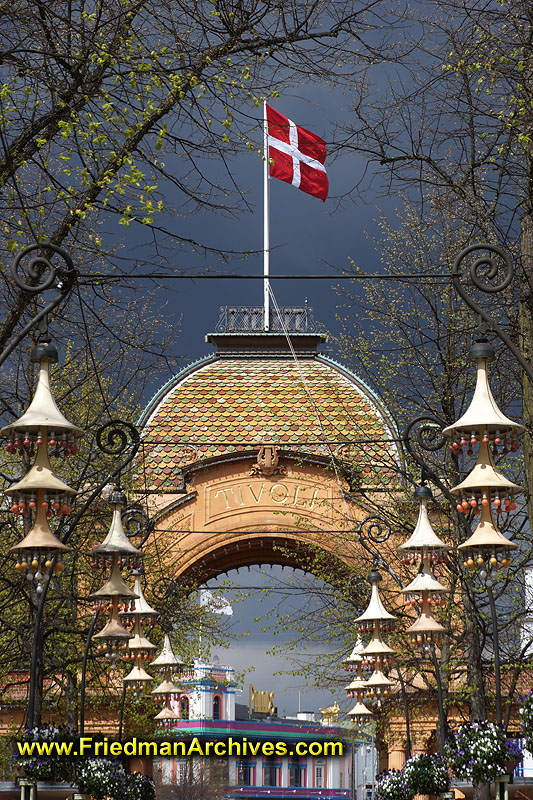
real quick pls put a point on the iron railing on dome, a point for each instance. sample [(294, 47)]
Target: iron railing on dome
[(249, 319)]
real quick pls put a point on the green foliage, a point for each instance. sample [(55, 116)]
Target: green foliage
[(495, 59)]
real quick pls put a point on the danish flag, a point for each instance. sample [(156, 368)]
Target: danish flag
[(296, 155)]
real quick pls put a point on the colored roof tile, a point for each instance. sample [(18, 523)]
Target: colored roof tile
[(222, 405)]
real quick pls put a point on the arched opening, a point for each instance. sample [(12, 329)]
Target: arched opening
[(234, 519), (184, 707), (273, 607), (253, 457), (265, 548)]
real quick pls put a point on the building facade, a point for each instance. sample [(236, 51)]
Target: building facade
[(209, 713)]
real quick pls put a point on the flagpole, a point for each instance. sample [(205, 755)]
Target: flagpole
[(266, 225)]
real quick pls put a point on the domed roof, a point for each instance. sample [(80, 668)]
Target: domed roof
[(233, 402)]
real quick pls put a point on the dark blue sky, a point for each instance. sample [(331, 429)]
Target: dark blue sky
[(306, 235), (252, 641)]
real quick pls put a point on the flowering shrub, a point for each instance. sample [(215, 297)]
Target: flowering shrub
[(526, 719), (137, 787), (51, 768), (391, 785), (514, 751), (100, 777), (479, 751), (426, 774)]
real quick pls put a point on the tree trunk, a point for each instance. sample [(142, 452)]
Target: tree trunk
[(526, 340), (71, 691), (526, 258), (37, 666), (478, 706)]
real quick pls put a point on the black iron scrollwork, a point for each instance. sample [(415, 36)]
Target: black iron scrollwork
[(41, 272), (137, 524), (490, 275), (116, 436), (487, 273), (375, 528), (427, 431), (170, 592), (164, 588)]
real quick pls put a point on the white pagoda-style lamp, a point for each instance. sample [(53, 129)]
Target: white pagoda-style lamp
[(166, 718), (117, 551), (483, 422), (424, 591), (350, 663), (376, 620), (163, 693), (139, 647), (359, 713), (356, 688), (485, 488), (168, 663), (40, 494)]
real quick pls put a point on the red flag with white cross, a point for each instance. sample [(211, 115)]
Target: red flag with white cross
[(296, 155)]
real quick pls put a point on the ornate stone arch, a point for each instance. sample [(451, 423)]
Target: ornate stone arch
[(253, 455)]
